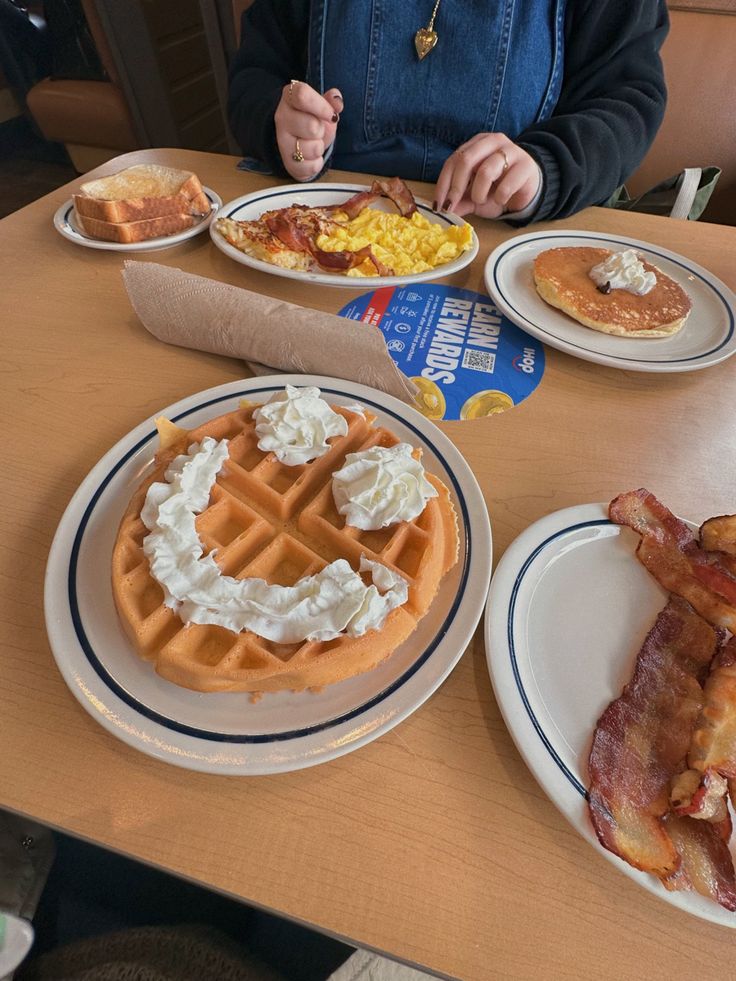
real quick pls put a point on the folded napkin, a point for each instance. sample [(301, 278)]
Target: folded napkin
[(200, 313)]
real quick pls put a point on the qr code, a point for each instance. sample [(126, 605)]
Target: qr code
[(479, 360)]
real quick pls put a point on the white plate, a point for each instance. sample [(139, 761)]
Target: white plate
[(225, 732), (707, 338), (251, 206), (65, 222), (568, 611)]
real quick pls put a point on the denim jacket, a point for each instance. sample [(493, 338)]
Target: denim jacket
[(497, 67), (577, 83)]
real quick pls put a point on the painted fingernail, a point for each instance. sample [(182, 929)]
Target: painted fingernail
[(338, 96), (434, 207), (446, 205), (335, 117)]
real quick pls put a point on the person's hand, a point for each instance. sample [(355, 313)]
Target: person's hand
[(487, 176), (306, 123)]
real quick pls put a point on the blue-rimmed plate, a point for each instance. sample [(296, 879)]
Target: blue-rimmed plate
[(707, 337), (568, 611), (249, 207), (66, 223), (226, 732)]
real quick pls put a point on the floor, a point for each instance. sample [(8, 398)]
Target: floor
[(29, 165), (92, 892)]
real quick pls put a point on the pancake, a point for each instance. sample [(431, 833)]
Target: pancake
[(562, 280), (278, 523)]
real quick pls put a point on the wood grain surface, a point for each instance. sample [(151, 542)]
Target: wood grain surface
[(433, 843)]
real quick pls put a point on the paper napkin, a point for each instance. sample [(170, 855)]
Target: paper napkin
[(196, 312)]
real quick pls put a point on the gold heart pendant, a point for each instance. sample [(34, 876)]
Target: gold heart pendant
[(424, 41)]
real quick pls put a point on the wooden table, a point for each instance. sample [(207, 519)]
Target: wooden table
[(433, 843)]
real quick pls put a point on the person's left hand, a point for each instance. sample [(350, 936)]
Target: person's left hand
[(487, 176)]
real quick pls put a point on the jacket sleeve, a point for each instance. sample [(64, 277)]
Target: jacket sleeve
[(273, 50), (610, 107)]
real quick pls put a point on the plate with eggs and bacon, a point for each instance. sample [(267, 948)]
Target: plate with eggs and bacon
[(342, 234)]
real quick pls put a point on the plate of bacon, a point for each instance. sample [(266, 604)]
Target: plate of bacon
[(611, 648), (344, 234)]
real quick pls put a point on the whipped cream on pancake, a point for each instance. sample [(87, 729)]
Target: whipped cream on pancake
[(381, 486), (295, 425), (320, 607), (624, 271)]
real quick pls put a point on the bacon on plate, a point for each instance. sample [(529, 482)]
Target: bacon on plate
[(642, 739), (393, 188), (705, 860), (713, 747), (670, 551)]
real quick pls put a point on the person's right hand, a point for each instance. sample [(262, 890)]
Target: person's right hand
[(304, 115)]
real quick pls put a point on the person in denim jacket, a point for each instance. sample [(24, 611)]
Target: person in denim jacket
[(530, 109)]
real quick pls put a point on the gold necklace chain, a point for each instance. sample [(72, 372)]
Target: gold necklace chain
[(426, 37)]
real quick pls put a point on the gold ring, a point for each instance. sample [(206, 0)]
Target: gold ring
[(505, 160), (292, 83), (297, 156)]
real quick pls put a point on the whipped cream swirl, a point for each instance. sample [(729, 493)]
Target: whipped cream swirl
[(319, 607), (295, 425), (381, 486), (624, 271)]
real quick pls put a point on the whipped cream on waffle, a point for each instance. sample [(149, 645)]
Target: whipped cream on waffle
[(320, 607), (624, 271), (381, 486), (295, 425)]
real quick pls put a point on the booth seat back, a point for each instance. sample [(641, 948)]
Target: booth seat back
[(699, 127)]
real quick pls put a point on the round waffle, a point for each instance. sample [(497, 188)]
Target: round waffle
[(269, 521), (562, 279)]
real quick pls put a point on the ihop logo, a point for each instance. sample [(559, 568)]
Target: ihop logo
[(525, 361)]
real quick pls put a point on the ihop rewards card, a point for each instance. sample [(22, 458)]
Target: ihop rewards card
[(465, 357)]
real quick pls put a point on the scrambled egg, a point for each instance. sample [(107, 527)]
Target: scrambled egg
[(406, 245)]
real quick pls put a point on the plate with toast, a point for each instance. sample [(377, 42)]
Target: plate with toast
[(614, 301), (141, 208)]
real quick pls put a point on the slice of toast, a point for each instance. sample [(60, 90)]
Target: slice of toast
[(141, 192), (135, 231)]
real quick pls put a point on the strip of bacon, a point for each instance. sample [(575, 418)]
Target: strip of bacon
[(298, 229), (706, 864), (702, 796), (713, 746), (642, 739), (349, 260), (289, 230), (395, 189), (719, 534), (354, 205), (671, 553)]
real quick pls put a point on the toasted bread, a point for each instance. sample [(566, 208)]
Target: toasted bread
[(135, 231), (141, 192)]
